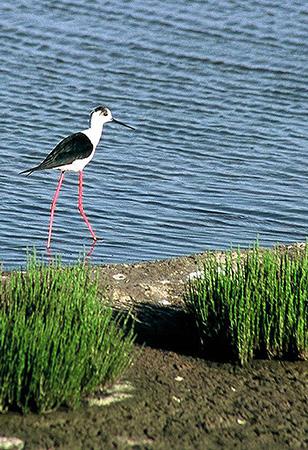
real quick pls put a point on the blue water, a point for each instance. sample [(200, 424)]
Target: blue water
[(217, 91)]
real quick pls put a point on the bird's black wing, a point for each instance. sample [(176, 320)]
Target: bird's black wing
[(76, 146)]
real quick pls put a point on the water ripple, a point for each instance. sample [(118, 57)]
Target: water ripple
[(218, 94)]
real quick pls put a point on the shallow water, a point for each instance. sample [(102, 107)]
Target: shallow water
[(218, 94)]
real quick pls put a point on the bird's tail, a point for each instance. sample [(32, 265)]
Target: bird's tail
[(28, 172)]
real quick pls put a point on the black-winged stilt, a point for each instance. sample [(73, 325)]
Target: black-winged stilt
[(72, 154)]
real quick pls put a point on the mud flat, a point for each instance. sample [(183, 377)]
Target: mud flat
[(171, 398)]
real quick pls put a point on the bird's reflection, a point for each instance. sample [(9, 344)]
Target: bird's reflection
[(90, 252), (84, 257)]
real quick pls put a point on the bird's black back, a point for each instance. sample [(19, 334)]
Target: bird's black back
[(75, 146)]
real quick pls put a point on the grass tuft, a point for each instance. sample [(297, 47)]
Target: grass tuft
[(58, 341), (254, 305)]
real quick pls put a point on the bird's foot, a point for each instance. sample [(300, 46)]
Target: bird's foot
[(97, 238)]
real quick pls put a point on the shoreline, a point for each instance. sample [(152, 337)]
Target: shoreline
[(161, 281), (152, 294)]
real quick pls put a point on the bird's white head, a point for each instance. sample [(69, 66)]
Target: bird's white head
[(101, 115)]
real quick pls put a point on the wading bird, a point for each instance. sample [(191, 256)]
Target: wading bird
[(72, 154)]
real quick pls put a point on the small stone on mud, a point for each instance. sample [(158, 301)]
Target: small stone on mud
[(117, 393), (109, 399), (179, 378), (119, 276), (164, 302), (196, 274), (121, 387), (241, 421), (11, 443), (136, 443)]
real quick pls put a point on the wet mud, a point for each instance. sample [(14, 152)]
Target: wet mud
[(171, 398)]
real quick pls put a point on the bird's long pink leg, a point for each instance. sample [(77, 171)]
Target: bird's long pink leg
[(53, 207), (80, 206)]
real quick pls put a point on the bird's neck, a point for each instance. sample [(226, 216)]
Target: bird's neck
[(94, 133)]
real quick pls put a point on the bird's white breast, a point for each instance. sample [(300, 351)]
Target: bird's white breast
[(78, 164), (94, 134)]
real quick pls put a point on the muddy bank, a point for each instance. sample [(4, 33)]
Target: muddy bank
[(162, 281), (170, 398), (153, 294), (180, 402)]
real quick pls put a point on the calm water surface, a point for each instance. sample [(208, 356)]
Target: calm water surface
[(217, 91)]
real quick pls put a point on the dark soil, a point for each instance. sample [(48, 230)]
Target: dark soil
[(182, 402), (174, 398)]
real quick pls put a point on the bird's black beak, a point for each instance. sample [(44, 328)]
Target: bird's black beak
[(121, 123)]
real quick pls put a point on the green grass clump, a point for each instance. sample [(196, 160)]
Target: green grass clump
[(58, 341), (253, 305)]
